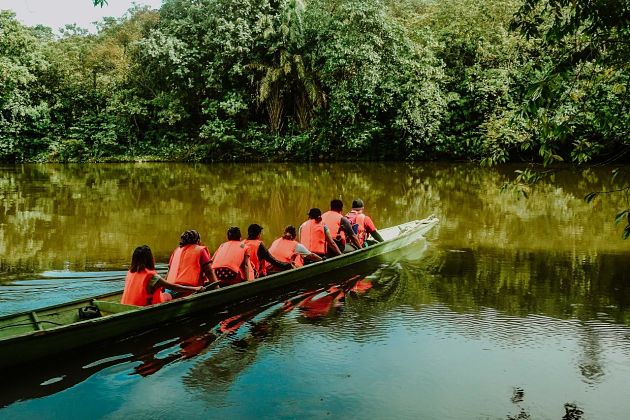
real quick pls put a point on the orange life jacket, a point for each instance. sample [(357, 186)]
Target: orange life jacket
[(230, 255), (313, 237), (136, 285), (357, 218), (284, 250), (332, 219), (259, 267), (185, 268)]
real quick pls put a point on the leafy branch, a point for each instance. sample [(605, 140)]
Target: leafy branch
[(622, 215)]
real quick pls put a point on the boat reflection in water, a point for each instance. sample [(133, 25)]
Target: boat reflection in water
[(220, 345), (535, 334), (214, 374)]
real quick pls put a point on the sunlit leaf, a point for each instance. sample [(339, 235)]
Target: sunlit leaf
[(620, 216), (590, 196), (615, 174)]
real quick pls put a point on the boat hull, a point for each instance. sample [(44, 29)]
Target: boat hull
[(48, 341)]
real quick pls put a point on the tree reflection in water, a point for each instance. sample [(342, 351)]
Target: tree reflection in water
[(85, 217), (512, 273)]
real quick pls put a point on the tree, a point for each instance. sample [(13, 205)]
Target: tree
[(383, 90), (22, 113), (486, 67), (288, 82), (579, 100)]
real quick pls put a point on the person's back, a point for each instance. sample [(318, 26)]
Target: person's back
[(138, 289), (185, 265), (252, 246), (231, 263), (312, 232), (288, 250), (259, 255), (284, 249), (340, 227), (189, 263), (362, 224), (143, 286)]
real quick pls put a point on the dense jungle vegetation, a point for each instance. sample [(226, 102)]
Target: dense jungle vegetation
[(242, 80)]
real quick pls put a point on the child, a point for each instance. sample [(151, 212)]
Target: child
[(143, 286)]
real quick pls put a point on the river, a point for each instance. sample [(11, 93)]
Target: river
[(512, 308)]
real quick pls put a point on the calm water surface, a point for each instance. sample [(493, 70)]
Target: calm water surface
[(510, 309)]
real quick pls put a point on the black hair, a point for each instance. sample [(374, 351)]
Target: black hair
[(315, 213), (357, 204), (234, 234), (142, 259), (289, 232), (336, 205), (190, 237), (253, 231)]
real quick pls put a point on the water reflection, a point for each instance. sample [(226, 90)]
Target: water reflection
[(524, 302), (86, 217), (521, 282), (222, 345), (357, 307)]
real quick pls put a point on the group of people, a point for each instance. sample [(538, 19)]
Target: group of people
[(191, 268)]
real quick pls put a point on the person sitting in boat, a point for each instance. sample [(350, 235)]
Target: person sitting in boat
[(316, 237), (231, 261), (190, 263), (362, 224), (258, 253), (287, 249), (340, 227), (144, 286)]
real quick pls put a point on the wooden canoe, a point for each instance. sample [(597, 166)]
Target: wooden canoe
[(31, 335)]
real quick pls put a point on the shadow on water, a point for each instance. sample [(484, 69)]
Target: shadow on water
[(510, 298), (221, 345)]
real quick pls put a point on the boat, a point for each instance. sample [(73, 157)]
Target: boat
[(32, 335)]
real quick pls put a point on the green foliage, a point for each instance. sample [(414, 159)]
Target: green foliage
[(22, 113), (215, 80), (577, 99), (383, 90)]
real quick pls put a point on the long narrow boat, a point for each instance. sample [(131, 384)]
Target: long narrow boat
[(28, 336)]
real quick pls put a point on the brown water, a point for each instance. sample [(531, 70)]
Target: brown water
[(515, 308)]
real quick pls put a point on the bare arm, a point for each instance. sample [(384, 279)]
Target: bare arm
[(245, 267), (177, 287), (377, 236), (332, 244), (209, 272), (313, 257)]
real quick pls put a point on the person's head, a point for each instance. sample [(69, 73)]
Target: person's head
[(315, 214), (254, 231), (234, 234), (190, 237), (142, 259), (336, 205), (289, 232), (357, 204)]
